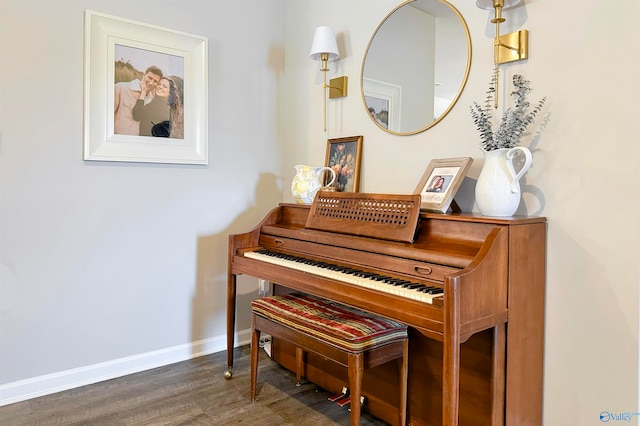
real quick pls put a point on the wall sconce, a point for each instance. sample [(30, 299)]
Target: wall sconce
[(324, 48), (509, 47)]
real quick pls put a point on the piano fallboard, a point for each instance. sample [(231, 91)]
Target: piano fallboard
[(420, 269)]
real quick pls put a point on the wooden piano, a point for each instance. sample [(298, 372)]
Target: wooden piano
[(474, 305)]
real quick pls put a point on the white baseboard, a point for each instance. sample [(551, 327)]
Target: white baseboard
[(47, 384)]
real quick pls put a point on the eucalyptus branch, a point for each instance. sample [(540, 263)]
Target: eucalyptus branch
[(514, 121)]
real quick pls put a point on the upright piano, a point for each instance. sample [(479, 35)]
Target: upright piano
[(471, 289)]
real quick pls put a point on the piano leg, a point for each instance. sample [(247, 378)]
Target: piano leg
[(231, 323), (498, 368), (404, 378), (451, 379), (451, 355)]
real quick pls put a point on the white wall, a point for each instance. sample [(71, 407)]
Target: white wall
[(112, 267), (585, 178), (110, 262)]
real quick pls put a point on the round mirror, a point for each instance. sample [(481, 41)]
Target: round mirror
[(415, 66)]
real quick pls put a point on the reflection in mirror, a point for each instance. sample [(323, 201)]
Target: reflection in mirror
[(415, 66)]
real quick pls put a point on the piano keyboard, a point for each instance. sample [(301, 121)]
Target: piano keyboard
[(399, 287)]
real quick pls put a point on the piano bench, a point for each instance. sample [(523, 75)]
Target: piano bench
[(350, 337)]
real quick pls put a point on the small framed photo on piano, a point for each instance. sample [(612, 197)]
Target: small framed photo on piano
[(343, 156), (440, 182)]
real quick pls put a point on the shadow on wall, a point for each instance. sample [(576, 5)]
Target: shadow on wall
[(209, 301), (209, 308), (465, 197)]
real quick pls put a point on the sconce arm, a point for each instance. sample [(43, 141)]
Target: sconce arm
[(506, 46)]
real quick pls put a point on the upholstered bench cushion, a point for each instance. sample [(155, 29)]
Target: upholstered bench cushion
[(346, 328)]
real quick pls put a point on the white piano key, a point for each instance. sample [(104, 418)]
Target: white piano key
[(344, 277)]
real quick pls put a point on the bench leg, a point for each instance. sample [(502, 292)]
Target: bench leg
[(255, 344), (356, 369), (299, 366)]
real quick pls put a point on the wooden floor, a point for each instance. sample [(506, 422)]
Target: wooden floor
[(192, 392)]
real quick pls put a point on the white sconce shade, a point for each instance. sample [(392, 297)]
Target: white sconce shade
[(324, 41), (489, 4), (324, 48)]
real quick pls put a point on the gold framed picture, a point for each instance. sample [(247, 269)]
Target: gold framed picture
[(343, 156), (441, 181)]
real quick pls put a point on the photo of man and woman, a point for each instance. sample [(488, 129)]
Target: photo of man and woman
[(148, 93), (439, 183)]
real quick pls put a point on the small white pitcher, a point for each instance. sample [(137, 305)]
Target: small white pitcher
[(307, 181)]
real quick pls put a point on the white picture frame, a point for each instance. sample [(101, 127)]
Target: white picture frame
[(103, 33), (379, 94)]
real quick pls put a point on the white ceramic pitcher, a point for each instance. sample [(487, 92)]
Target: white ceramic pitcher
[(307, 181), (498, 186)]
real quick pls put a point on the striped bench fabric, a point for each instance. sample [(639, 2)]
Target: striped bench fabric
[(345, 328)]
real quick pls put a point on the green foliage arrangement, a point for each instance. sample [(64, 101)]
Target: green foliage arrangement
[(514, 119)]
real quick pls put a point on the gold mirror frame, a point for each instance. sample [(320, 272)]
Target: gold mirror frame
[(463, 82)]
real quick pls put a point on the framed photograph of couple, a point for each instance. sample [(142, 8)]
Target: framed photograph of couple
[(440, 182), (145, 92)]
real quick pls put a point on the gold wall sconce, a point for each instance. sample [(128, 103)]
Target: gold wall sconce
[(508, 47), (324, 48)]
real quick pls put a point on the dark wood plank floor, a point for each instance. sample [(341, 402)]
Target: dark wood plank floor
[(192, 392)]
